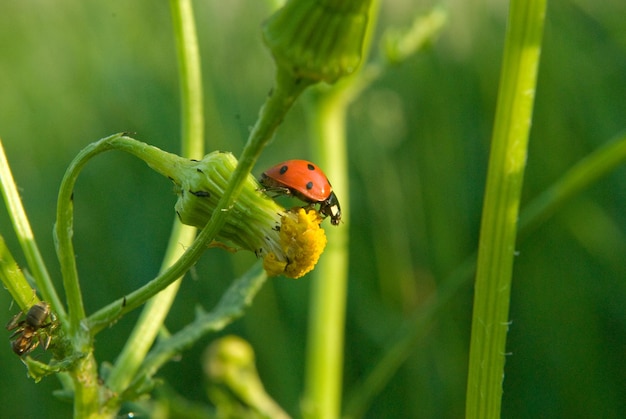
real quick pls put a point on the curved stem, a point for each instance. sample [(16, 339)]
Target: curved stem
[(64, 231)]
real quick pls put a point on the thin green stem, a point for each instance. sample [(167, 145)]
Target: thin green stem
[(192, 135), (64, 231), (190, 73), (27, 242), (13, 278), (501, 207)]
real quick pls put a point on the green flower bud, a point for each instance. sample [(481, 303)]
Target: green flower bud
[(254, 219), (229, 361), (289, 241), (318, 40)]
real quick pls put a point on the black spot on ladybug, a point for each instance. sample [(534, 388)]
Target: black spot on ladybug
[(310, 166), (309, 185), (283, 170)]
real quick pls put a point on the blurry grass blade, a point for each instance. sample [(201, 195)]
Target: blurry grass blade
[(579, 177), (399, 45), (27, 241)]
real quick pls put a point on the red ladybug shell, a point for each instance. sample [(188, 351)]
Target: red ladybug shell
[(303, 179)]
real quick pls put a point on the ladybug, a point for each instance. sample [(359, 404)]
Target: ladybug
[(305, 181)]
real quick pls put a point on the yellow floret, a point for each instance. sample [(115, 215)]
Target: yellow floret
[(302, 241)]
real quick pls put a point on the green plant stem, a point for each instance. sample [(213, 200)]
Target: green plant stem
[(87, 390), (324, 367), (192, 136), (13, 278), (325, 346), (190, 73), (28, 244), (501, 207), (64, 231)]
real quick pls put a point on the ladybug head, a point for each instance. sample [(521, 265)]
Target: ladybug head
[(331, 208)]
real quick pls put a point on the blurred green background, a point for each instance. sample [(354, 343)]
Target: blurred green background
[(75, 71)]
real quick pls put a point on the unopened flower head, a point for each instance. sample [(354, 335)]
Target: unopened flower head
[(318, 40), (289, 241)]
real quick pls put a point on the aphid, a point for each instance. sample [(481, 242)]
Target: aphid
[(28, 331), (305, 181)]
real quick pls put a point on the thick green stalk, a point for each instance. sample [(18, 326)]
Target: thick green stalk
[(192, 138), (325, 344), (501, 207)]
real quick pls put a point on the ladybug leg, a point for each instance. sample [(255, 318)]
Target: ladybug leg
[(275, 191)]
